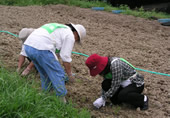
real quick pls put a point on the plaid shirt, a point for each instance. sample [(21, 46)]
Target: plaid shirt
[(121, 71)]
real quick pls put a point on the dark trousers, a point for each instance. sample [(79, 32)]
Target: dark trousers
[(29, 59), (130, 94)]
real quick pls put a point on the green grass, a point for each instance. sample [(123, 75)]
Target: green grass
[(80, 3), (140, 12), (88, 4), (21, 99), (116, 109)]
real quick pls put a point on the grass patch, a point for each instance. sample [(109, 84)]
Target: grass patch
[(80, 3), (116, 109), (20, 99), (88, 4), (140, 12)]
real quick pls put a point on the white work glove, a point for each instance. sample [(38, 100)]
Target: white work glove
[(99, 102)]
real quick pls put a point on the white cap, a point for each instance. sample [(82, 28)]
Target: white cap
[(80, 30), (24, 33)]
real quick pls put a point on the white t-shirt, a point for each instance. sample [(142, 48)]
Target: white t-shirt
[(23, 51), (61, 39), (125, 83)]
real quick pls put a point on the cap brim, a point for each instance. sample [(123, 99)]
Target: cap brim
[(94, 72)]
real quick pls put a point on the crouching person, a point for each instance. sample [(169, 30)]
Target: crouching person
[(121, 84), (41, 46), (23, 35)]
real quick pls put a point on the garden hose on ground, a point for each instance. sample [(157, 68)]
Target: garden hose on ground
[(88, 56), (9, 33)]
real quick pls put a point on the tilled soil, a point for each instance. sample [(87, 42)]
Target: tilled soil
[(144, 43)]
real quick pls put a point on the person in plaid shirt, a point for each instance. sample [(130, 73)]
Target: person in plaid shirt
[(122, 84)]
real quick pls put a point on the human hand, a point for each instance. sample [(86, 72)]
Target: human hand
[(99, 102)]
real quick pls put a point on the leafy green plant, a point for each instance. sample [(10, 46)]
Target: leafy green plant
[(116, 109), (78, 80), (124, 7)]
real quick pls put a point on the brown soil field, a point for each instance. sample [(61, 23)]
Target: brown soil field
[(144, 43)]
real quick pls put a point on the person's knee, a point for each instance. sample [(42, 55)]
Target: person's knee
[(122, 96)]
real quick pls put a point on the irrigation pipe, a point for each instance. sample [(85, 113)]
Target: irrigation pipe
[(135, 68), (9, 33), (88, 56)]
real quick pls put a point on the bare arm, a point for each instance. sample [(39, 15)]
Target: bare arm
[(67, 67), (21, 61)]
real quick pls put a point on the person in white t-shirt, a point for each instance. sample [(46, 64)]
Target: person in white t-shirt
[(23, 34), (41, 47)]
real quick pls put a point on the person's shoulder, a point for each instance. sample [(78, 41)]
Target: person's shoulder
[(114, 60), (66, 32)]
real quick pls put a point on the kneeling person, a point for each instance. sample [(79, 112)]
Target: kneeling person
[(122, 84)]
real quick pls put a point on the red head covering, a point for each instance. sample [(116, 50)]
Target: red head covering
[(96, 64)]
